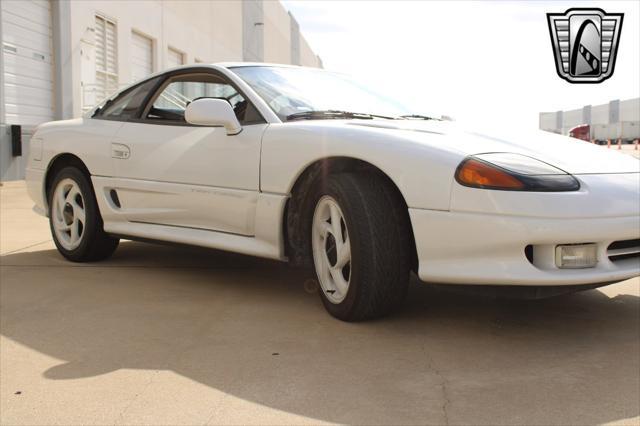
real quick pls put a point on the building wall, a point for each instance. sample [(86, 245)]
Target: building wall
[(571, 117), (307, 57), (600, 114), (206, 31), (630, 110), (202, 31), (26, 74), (252, 30), (616, 119), (277, 33), (547, 121)]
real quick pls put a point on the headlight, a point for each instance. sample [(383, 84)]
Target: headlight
[(513, 172)]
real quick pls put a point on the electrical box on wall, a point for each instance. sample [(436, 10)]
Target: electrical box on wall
[(16, 140)]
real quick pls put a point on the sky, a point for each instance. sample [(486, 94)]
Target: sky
[(484, 63)]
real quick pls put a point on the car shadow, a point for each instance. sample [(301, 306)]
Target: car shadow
[(256, 329)]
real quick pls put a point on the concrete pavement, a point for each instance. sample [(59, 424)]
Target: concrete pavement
[(166, 335)]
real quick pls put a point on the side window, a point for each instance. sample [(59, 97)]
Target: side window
[(128, 103), (172, 100)]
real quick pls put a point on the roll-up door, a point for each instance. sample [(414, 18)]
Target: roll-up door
[(175, 58), (28, 62), (141, 56)]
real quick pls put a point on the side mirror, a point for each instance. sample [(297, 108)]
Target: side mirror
[(213, 112)]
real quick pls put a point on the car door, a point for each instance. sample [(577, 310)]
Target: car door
[(173, 173)]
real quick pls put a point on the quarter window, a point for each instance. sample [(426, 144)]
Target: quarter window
[(128, 104)]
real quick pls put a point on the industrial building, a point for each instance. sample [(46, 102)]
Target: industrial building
[(615, 120), (60, 58)]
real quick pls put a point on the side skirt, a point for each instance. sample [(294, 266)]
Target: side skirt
[(267, 239), (195, 237)]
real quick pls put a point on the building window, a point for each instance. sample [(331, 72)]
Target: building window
[(106, 57)]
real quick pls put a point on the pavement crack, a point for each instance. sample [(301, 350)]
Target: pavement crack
[(442, 383), (135, 397)]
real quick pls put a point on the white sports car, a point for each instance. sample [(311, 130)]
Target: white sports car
[(308, 166)]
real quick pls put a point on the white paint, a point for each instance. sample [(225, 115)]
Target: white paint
[(198, 185), (92, 59), (213, 112), (191, 176), (485, 248)]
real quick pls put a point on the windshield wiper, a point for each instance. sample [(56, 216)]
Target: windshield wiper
[(331, 114), (418, 117)]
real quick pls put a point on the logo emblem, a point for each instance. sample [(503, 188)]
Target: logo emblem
[(585, 43)]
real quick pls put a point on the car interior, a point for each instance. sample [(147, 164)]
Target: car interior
[(171, 100), (177, 93)]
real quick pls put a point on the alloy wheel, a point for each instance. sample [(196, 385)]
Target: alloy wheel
[(331, 249), (68, 214)]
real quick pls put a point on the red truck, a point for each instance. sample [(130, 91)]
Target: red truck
[(582, 131)]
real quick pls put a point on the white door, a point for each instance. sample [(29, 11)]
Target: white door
[(190, 176), (28, 61), (141, 56)]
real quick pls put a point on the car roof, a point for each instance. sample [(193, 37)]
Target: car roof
[(256, 64)]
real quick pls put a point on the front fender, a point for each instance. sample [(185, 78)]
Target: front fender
[(422, 171)]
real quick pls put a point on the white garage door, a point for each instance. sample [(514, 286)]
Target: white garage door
[(141, 56), (175, 58), (28, 65)]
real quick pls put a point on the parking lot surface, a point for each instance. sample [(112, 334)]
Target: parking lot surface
[(170, 335)]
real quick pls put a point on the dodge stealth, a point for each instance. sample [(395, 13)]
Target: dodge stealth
[(311, 167)]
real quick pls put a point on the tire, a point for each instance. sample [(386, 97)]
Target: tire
[(71, 199), (374, 225)]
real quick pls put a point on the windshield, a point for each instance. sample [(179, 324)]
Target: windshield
[(296, 90)]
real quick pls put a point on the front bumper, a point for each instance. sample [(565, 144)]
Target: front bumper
[(477, 248)]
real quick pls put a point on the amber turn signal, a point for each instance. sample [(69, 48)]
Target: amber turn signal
[(479, 174)]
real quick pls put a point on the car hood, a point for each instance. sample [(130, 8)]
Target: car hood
[(571, 155)]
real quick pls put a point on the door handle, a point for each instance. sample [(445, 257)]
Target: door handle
[(120, 151)]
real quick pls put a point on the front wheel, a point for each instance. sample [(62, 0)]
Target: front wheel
[(76, 224), (360, 246)]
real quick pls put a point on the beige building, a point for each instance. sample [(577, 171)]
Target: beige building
[(618, 119), (61, 57)]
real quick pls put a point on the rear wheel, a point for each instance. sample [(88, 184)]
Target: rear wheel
[(76, 225), (360, 246)]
